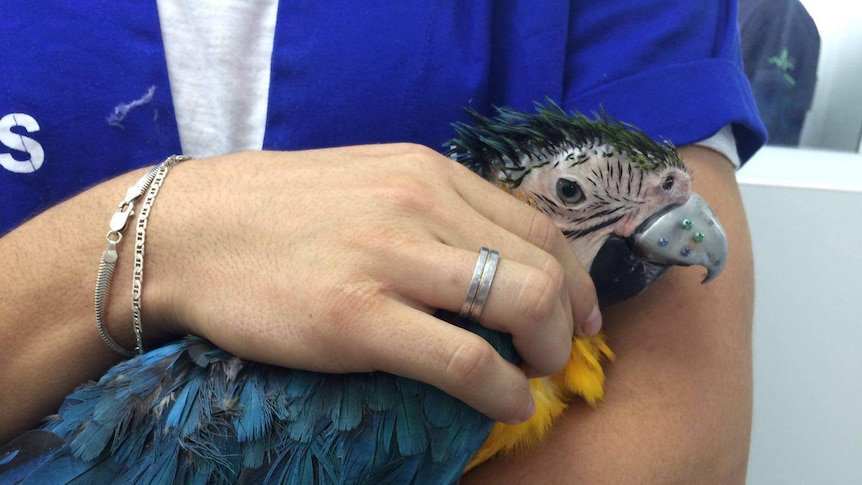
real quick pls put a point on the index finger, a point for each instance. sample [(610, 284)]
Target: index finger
[(534, 227)]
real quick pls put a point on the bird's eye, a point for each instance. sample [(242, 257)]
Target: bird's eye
[(569, 191), (668, 183)]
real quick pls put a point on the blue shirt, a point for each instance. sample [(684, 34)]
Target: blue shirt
[(347, 72)]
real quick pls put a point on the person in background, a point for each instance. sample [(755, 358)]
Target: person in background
[(780, 52)]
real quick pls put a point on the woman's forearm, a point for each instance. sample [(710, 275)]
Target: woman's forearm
[(48, 336), (678, 400), (325, 260)]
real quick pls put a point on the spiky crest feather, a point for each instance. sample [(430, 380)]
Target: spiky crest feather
[(505, 147)]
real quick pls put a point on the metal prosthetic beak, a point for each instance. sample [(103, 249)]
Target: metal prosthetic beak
[(684, 235), (681, 235)]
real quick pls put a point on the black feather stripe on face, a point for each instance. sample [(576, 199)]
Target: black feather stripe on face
[(575, 234), (599, 214), (512, 143)]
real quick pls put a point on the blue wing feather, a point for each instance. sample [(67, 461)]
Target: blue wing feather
[(189, 412)]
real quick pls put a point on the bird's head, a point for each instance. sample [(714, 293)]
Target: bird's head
[(623, 200)]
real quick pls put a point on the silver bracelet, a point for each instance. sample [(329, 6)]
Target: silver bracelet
[(108, 261), (140, 240)]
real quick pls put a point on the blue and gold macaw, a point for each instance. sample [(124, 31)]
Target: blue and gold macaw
[(190, 412)]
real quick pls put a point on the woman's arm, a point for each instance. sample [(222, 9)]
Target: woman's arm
[(48, 338), (678, 403), (329, 260)]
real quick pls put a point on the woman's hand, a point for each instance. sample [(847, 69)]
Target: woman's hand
[(328, 260), (335, 260)]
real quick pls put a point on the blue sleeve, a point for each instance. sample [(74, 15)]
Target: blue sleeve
[(673, 68)]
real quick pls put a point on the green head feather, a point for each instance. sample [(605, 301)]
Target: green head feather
[(512, 142)]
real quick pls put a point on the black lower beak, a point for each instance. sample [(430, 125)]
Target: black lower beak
[(619, 273), (681, 235)]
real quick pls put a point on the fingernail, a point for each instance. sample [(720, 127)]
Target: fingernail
[(592, 324), (527, 413), (531, 409)]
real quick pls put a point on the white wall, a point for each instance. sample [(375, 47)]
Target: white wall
[(835, 118), (805, 212)]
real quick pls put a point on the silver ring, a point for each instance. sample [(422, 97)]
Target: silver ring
[(480, 284), (474, 283)]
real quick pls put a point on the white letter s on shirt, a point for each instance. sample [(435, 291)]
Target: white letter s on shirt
[(21, 143)]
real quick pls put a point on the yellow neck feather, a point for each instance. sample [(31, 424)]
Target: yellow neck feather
[(583, 376)]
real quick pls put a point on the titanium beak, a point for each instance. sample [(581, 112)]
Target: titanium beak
[(684, 235)]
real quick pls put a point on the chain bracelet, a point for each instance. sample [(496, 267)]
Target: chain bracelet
[(103, 289), (108, 261), (140, 241)]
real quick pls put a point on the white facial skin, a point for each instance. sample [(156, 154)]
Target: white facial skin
[(612, 196)]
